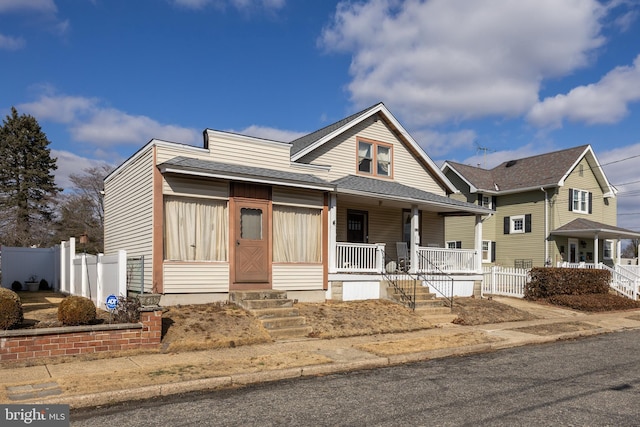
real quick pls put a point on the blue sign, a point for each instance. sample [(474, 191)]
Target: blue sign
[(112, 302)]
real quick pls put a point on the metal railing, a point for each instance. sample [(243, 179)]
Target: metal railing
[(401, 280), (439, 280)]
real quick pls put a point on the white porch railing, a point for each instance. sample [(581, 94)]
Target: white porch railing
[(578, 265), (432, 260), (359, 257), (369, 258)]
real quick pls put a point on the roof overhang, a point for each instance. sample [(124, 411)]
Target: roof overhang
[(593, 230), (230, 172)]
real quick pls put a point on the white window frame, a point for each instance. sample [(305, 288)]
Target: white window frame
[(487, 251), (514, 220), (608, 247), (451, 244), (580, 201), (486, 202)]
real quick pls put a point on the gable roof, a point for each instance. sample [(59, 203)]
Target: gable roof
[(359, 185), (308, 143), (543, 170)]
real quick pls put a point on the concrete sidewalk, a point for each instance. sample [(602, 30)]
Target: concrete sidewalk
[(51, 383)]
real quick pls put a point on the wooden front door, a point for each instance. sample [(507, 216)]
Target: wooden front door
[(251, 242)]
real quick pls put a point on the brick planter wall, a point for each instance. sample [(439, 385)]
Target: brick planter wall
[(70, 340)]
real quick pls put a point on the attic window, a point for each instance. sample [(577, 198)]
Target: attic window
[(511, 163), (375, 158)]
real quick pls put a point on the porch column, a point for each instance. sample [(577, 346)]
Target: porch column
[(618, 251), (333, 216), (478, 243), (595, 250), (415, 239)]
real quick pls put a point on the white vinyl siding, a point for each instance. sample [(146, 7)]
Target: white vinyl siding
[(195, 277), (224, 148), (293, 197), (128, 206), (342, 155), (194, 187), (297, 277)]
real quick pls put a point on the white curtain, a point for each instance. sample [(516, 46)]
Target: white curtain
[(297, 234), (384, 160), (196, 229)]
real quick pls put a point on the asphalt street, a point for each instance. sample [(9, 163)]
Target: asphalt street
[(591, 381)]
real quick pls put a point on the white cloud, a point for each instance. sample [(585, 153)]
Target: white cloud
[(602, 102), (91, 123), (70, 163), (437, 144), (440, 60), (111, 126), (11, 43), (270, 133)]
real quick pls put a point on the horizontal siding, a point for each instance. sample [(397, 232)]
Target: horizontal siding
[(128, 208), (297, 277), (195, 277), (288, 196), (181, 186), (341, 154), (235, 149)]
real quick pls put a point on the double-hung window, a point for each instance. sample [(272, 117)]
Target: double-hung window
[(607, 249), (579, 201), (375, 158), (486, 251)]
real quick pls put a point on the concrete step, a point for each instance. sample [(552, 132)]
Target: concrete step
[(270, 313), (435, 319), (235, 296), (258, 304), (290, 333), (275, 323), (427, 310)]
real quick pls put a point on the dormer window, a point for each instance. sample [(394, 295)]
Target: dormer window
[(375, 158)]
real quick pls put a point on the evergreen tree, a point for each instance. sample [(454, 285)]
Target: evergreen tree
[(27, 186)]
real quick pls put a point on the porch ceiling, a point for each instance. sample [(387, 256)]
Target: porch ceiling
[(380, 191), (586, 229)]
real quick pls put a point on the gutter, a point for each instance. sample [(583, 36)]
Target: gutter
[(546, 228)]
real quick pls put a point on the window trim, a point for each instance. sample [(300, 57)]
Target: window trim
[(457, 244), (580, 201), (489, 251), (374, 158), (512, 223), (610, 243)]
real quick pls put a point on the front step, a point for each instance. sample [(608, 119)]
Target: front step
[(275, 311)]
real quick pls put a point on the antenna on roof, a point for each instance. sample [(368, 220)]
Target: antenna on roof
[(484, 153)]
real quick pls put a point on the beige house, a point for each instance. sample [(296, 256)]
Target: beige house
[(320, 217), (552, 209)]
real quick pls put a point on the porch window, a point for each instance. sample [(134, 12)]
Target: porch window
[(297, 234), (195, 229), (454, 244), (375, 158), (607, 249)]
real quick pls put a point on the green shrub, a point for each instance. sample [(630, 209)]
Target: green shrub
[(16, 286), (547, 281), (76, 310), (10, 309)]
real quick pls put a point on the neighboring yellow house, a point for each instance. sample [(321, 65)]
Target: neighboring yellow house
[(318, 217), (548, 209)]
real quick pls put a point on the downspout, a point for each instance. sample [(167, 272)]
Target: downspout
[(547, 262)]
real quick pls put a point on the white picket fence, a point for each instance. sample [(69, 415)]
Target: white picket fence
[(504, 281)]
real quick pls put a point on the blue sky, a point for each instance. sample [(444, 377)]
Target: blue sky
[(478, 82)]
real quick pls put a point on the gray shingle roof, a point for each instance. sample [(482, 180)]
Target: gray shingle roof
[(396, 190), (584, 225), (541, 170), (250, 172), (307, 140)]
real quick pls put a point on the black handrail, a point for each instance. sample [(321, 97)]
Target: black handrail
[(395, 273), (442, 276)]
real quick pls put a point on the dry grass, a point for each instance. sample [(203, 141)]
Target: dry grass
[(482, 311)]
